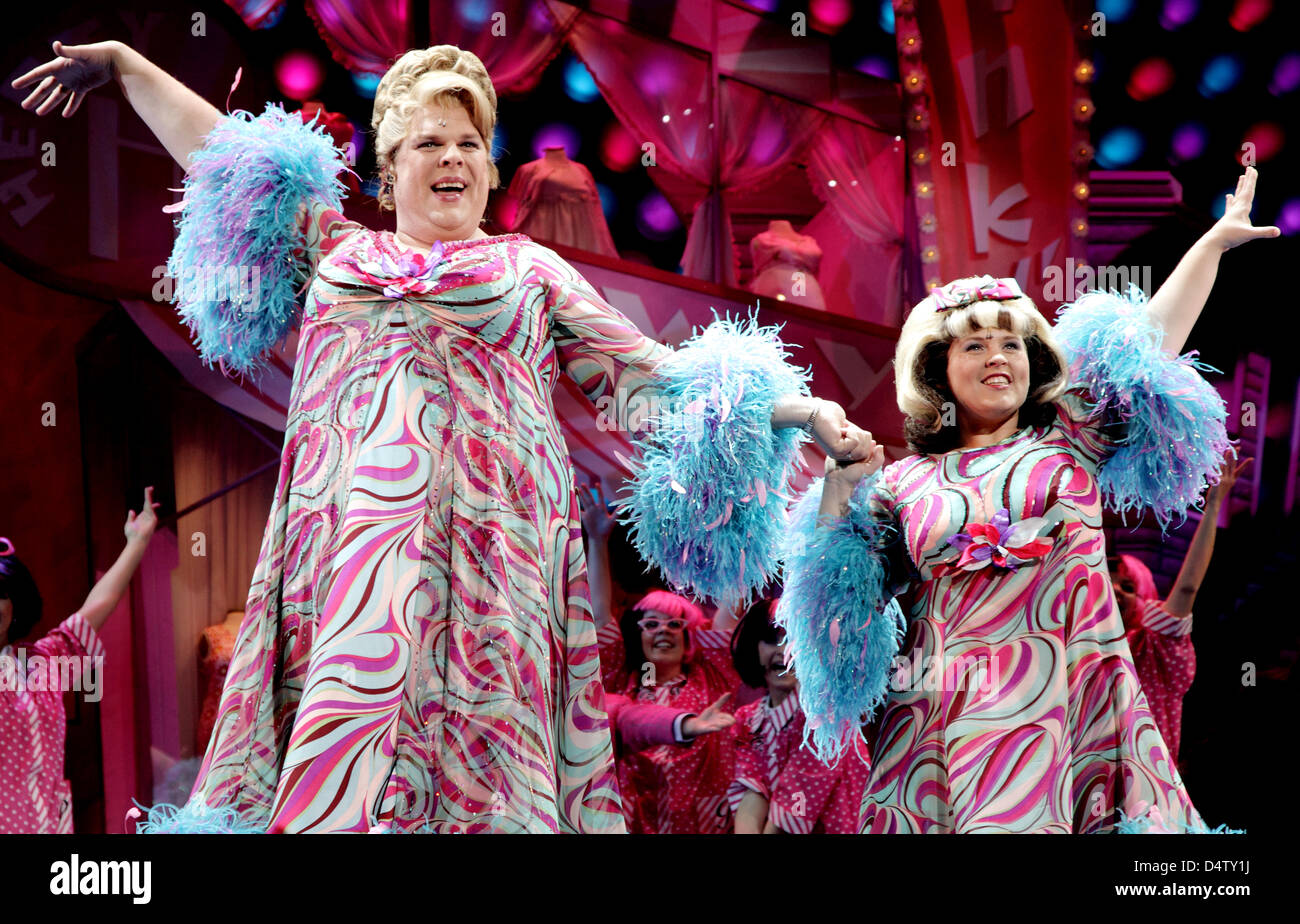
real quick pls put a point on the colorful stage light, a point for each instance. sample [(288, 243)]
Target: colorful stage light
[(299, 75), (1267, 137), (1178, 13), (1115, 10), (1286, 76), (1220, 75), (1288, 218), (366, 84), (830, 15), (473, 12), (655, 218), (1119, 147), (887, 16), (557, 134), (1189, 140), (618, 149), (1248, 14), (1151, 78), (499, 137), (608, 201), (578, 83), (876, 66)]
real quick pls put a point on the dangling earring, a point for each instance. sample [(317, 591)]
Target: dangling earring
[(386, 193)]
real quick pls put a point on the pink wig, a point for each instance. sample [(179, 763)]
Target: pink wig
[(670, 604), (1141, 575)]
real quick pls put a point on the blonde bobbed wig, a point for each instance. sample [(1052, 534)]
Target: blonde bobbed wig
[(443, 74), (957, 310)]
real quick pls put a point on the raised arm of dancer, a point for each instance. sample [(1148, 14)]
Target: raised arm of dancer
[(1201, 549), (178, 117), (1178, 303), (104, 596), (841, 479), (599, 523)]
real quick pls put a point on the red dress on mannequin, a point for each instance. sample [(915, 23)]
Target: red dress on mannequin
[(558, 203)]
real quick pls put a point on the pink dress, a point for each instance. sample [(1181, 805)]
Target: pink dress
[(1166, 664), (34, 796), (419, 651), (671, 789), (804, 795)]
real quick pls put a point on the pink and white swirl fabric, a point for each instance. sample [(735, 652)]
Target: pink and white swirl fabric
[(419, 652)]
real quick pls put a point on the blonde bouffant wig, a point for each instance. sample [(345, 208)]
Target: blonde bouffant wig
[(443, 74), (958, 310)]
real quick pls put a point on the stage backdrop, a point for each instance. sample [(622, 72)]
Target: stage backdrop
[(997, 103)]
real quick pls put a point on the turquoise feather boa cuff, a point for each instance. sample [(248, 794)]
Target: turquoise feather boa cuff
[(843, 626), (1176, 435), (234, 258), (707, 502)]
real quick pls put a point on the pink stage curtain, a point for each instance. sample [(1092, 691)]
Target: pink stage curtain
[(257, 14), (368, 35), (660, 92), (867, 199)]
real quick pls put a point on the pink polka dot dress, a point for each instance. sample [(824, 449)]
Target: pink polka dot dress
[(34, 796), (1166, 664)]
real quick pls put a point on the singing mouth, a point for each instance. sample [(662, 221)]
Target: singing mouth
[(997, 380)]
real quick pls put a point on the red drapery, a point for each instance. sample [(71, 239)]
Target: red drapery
[(514, 38)]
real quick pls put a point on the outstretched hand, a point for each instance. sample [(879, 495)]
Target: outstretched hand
[(711, 719), (1234, 227), (74, 72), (140, 526), (1229, 472), (596, 518)]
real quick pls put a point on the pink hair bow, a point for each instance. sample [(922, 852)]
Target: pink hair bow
[(968, 291)]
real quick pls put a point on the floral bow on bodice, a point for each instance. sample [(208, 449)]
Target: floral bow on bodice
[(1002, 543), (399, 273)]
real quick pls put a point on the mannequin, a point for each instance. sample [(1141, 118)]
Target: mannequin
[(786, 264), (558, 202), (215, 648)]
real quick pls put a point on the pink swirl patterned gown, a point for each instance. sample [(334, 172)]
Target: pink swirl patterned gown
[(1017, 708), (418, 647)]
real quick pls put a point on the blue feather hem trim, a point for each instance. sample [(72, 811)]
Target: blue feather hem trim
[(193, 818), (1176, 434), (843, 627), (706, 501), (1144, 823), (238, 260)]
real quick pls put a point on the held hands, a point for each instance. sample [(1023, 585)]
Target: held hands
[(139, 527), (74, 72), (1234, 227), (711, 719)]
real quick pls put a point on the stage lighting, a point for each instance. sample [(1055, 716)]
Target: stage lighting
[(299, 75), (366, 84), (618, 149), (1220, 75), (578, 83), (1178, 13), (1288, 218), (655, 218), (1119, 147), (1188, 141), (1115, 10), (1150, 78), (1286, 76), (1248, 14), (557, 134)]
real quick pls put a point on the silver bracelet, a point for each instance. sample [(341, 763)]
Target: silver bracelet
[(812, 418)]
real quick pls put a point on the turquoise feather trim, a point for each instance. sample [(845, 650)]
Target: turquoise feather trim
[(238, 279), (1144, 823), (1176, 434), (843, 627), (706, 504), (193, 818)]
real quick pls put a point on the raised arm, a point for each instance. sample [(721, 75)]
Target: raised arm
[(104, 596), (178, 117), (1201, 549), (1178, 303)]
